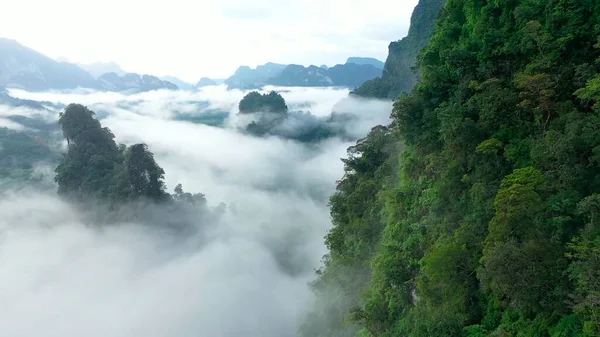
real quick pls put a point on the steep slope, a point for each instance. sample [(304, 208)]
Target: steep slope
[(485, 223), (398, 75), (25, 68)]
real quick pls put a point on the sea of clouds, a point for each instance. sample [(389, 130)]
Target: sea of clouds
[(247, 276)]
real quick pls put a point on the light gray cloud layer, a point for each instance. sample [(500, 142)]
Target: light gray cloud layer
[(246, 276)]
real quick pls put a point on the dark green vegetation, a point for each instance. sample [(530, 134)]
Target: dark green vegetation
[(18, 153), (257, 102), (485, 223), (398, 73), (270, 117), (28, 147), (96, 169), (94, 166)]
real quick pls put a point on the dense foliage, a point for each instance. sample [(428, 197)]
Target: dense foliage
[(270, 117), (257, 102), (398, 73), (485, 223), (96, 168)]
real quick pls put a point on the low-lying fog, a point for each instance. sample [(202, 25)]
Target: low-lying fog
[(59, 278)]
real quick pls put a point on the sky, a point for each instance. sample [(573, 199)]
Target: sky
[(206, 38)]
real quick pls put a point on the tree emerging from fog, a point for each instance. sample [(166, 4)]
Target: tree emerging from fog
[(94, 166), (257, 102)]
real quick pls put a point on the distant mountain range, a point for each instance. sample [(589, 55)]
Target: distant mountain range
[(25, 68), (133, 82), (366, 60), (353, 73), (98, 68), (248, 78), (345, 75), (205, 81), (178, 82)]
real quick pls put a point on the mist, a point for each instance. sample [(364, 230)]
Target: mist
[(244, 273)]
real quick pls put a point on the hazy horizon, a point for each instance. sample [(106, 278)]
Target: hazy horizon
[(172, 40)]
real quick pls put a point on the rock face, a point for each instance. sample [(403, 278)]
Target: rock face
[(398, 75), (23, 67), (133, 82), (345, 75)]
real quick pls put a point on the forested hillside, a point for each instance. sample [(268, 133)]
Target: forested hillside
[(114, 182), (475, 212), (398, 73)]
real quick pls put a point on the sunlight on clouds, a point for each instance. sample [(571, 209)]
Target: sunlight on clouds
[(192, 39)]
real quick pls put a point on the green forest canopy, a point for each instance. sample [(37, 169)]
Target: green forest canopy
[(257, 102), (95, 167), (485, 223)]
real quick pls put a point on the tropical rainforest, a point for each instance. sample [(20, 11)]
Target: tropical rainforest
[(476, 211)]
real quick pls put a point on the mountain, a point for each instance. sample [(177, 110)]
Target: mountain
[(347, 75), (6, 99), (248, 78), (297, 75), (23, 67), (183, 85), (99, 68), (133, 82), (205, 81), (398, 75), (353, 75), (366, 60), (474, 213)]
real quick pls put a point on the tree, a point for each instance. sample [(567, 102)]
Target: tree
[(254, 102)]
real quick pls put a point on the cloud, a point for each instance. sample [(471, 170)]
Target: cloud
[(243, 275), (7, 123)]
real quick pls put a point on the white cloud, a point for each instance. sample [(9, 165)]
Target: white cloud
[(191, 39), (245, 276)]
